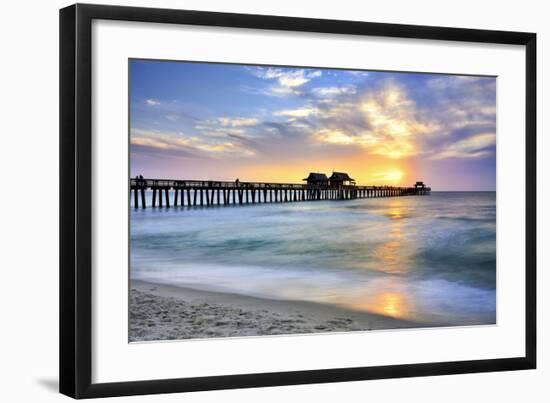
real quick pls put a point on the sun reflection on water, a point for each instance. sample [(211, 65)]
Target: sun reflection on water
[(388, 303), (393, 256), (396, 214), (391, 304)]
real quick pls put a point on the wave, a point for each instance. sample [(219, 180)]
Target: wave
[(336, 251)]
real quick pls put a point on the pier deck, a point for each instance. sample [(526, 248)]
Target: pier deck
[(196, 193)]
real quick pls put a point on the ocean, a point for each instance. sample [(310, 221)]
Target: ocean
[(428, 259)]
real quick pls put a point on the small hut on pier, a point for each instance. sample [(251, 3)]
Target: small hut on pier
[(316, 180), (340, 179), (419, 185)]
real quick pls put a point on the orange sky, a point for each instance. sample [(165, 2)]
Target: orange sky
[(210, 121), (364, 169)]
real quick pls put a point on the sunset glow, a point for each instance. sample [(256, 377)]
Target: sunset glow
[(392, 176), (222, 122)]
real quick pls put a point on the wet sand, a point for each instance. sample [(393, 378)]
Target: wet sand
[(163, 312)]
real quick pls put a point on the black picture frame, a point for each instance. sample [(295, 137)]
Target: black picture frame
[(76, 200)]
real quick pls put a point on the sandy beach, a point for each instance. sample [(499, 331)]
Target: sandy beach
[(162, 312)]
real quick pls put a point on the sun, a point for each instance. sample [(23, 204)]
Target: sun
[(393, 176)]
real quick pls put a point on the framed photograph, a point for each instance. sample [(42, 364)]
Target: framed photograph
[(254, 201)]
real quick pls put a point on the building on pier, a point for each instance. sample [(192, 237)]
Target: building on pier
[(316, 180), (419, 185), (340, 179)]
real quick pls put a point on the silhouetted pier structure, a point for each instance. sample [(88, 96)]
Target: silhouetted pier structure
[(193, 193)]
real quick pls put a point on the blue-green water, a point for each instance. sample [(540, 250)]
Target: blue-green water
[(430, 259)]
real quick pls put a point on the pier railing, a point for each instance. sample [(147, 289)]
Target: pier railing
[(223, 193)]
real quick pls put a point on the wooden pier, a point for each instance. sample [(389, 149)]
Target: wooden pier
[(197, 193)]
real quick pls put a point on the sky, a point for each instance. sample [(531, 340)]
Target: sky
[(213, 121)]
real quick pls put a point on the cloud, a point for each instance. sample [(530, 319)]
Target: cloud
[(358, 73), (225, 126), (282, 91), (384, 121), (237, 122), (146, 140), (225, 147), (463, 102), (218, 131), (388, 103), (288, 79), (334, 137), (315, 73), (157, 139), (298, 113), (294, 80), (476, 146), (152, 102), (460, 83), (393, 118), (283, 129), (330, 92)]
